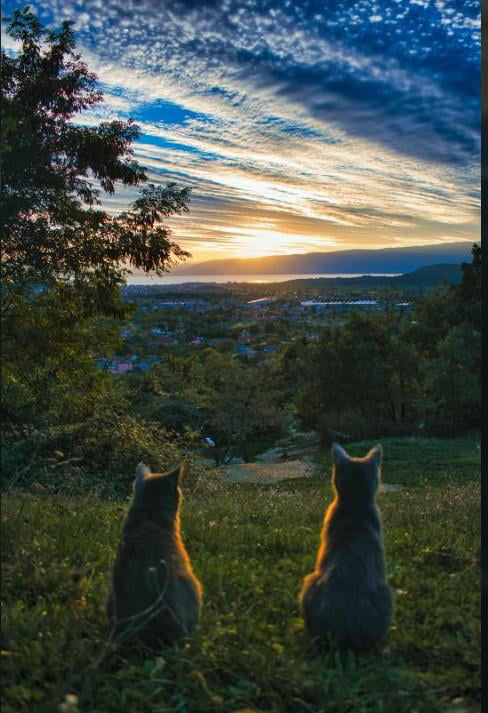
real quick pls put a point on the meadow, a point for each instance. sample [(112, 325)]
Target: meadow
[(251, 547)]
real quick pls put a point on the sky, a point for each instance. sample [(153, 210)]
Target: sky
[(299, 125)]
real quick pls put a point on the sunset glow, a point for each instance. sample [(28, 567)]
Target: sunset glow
[(297, 129)]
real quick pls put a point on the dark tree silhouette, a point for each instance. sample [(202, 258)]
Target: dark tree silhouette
[(54, 170), (470, 287)]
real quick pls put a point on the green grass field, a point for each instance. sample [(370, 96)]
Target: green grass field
[(251, 546)]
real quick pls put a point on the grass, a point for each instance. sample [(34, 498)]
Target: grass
[(251, 547)]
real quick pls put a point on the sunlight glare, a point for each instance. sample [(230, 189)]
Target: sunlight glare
[(257, 241)]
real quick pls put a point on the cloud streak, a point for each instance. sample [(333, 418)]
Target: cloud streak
[(300, 125)]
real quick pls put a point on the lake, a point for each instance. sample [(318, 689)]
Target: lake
[(222, 279)]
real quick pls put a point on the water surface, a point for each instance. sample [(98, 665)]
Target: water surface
[(174, 279)]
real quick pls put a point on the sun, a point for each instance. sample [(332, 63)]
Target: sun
[(259, 241)]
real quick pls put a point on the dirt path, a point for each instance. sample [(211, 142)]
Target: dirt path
[(267, 473)]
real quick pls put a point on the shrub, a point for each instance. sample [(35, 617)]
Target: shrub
[(99, 454)]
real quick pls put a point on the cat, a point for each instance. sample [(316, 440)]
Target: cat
[(346, 598), (155, 596)]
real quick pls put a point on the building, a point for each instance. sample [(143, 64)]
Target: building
[(119, 366), (244, 337), (260, 302), (336, 304), (242, 350)]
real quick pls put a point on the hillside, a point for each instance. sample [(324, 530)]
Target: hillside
[(430, 276), (250, 651), (389, 260), (423, 277)]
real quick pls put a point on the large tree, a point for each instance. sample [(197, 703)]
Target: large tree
[(54, 170), (63, 255)]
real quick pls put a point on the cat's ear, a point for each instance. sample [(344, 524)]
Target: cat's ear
[(173, 476), (339, 455), (142, 471), (375, 455)]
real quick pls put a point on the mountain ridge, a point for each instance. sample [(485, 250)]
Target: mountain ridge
[(394, 260), (424, 277)]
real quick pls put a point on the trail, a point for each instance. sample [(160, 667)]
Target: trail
[(268, 473)]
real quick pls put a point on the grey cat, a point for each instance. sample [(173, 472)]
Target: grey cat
[(155, 595), (346, 598)]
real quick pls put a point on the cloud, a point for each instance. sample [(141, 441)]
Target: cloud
[(397, 77), (348, 122)]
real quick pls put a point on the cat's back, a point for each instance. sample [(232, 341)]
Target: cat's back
[(152, 578), (347, 597), (354, 542)]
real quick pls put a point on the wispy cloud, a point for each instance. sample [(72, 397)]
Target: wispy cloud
[(300, 125)]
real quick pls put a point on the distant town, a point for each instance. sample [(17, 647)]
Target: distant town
[(248, 321)]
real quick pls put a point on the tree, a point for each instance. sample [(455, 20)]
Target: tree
[(239, 403), (449, 307), (216, 395), (453, 381), (448, 334), (470, 288), (53, 171), (360, 378), (63, 256)]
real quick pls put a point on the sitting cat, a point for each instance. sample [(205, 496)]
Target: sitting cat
[(155, 595), (346, 598)]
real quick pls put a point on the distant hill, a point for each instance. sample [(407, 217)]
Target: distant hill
[(424, 277), (430, 276), (389, 260)]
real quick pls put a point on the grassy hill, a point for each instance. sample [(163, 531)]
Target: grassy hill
[(251, 546)]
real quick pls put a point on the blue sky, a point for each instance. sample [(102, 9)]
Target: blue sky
[(300, 125)]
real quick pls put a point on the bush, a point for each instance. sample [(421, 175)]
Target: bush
[(100, 454)]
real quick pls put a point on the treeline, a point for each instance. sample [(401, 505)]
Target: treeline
[(382, 374), (397, 373)]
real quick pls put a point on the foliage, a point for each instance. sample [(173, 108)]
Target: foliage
[(385, 374), (448, 338), (453, 379), (216, 395), (469, 290), (66, 421), (49, 373), (97, 455), (249, 651), (52, 166), (445, 309), (366, 370)]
